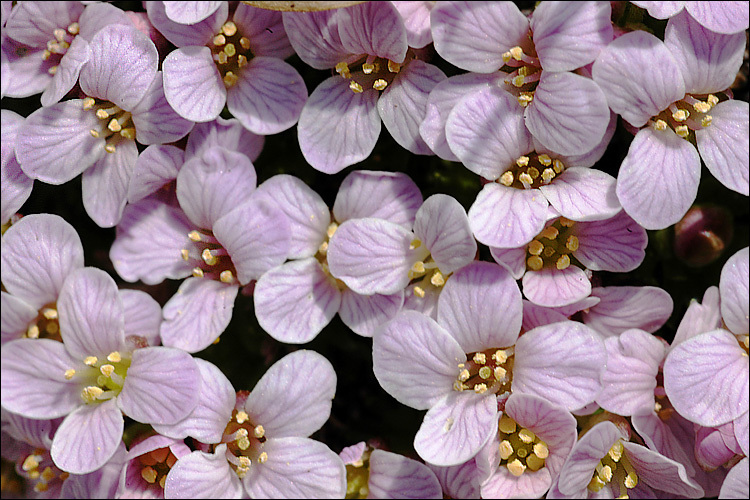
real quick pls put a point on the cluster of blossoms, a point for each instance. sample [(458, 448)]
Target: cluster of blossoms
[(514, 306)]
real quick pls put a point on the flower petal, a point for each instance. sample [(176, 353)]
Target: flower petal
[(105, 184), (229, 134), (315, 37), (617, 244), (203, 475), (554, 288), (660, 472), (193, 85), (396, 476), (189, 12), (736, 485), (443, 226), (156, 166), (265, 31), (16, 318), (68, 70), (727, 17), (623, 307), (365, 313), (733, 287), (142, 315), (373, 28), (582, 194), (154, 119), (199, 32), (512, 259), (16, 186)]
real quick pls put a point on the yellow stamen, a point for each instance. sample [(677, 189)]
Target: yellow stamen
[(660, 125), (229, 28), (219, 40), (516, 468), (522, 161), (393, 67), (230, 79), (355, 87), (506, 424), (549, 232), (379, 84), (507, 178), (563, 262), (226, 276), (245, 43), (545, 160), (368, 68), (535, 247), (535, 263)]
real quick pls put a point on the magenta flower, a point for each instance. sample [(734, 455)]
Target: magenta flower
[(458, 366), (220, 235), (97, 135), (565, 112), (554, 265), (296, 300), (95, 375), (258, 444), (721, 17), (685, 113), (16, 186), (379, 78), (237, 63)]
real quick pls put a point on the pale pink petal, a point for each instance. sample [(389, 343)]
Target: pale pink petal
[(725, 145), (193, 85), (554, 288), (105, 184), (373, 28)]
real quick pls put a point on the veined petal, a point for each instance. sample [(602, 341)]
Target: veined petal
[(727, 17), (568, 35), (193, 85), (154, 119), (554, 287), (229, 134), (265, 31), (100, 15), (474, 35), (415, 360), (372, 255), (416, 16), (297, 467), (505, 217), (295, 301), (190, 12), (486, 131), (583, 194), (67, 72), (709, 60), (203, 475), (456, 427), (105, 184), (268, 97), (569, 113), (658, 179), (373, 28), (92, 317), (623, 307), (617, 244), (38, 253), (315, 37), (661, 10), (735, 485), (392, 196), (16, 186), (88, 438), (467, 307), (33, 24), (55, 143), (700, 317), (199, 32), (403, 104), (396, 476), (512, 259), (443, 226), (338, 127), (161, 385), (211, 185), (155, 167), (149, 239), (16, 317), (534, 315), (365, 313), (294, 396), (724, 146), (631, 92), (142, 315), (733, 287), (660, 472), (197, 314), (122, 64)]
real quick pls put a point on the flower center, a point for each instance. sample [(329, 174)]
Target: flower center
[(371, 72), (520, 448), (358, 476), (425, 270), (614, 468), (231, 52), (744, 341), (524, 71), (553, 246), (39, 468), (156, 464), (115, 124), (322, 255), (46, 325), (211, 260), (59, 45), (244, 443), (662, 406), (532, 171), (486, 371), (686, 116), (102, 379)]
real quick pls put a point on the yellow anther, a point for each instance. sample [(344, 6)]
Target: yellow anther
[(507, 178), (682, 130), (680, 115), (419, 292), (706, 120), (500, 356), (241, 61), (535, 263), (479, 358), (52, 328), (536, 247), (541, 450), (323, 248), (30, 463), (185, 254), (241, 417), (516, 52), (525, 179), (149, 475), (545, 160), (229, 28), (485, 372), (563, 262), (525, 98), (480, 388), (415, 243), (526, 436), (522, 161), (343, 69), (604, 472), (59, 34), (437, 279), (534, 463), (548, 251), (46, 55), (549, 232), (208, 257), (355, 87), (379, 84), (109, 148), (245, 43), (259, 431), (52, 71), (516, 468), (263, 458), (418, 267), (631, 481), (393, 67), (74, 28), (331, 229), (88, 103), (517, 81), (506, 424), (533, 172), (596, 484), (128, 133), (226, 276), (548, 174), (91, 393), (368, 68), (107, 370), (230, 78), (102, 114), (114, 357), (572, 243), (90, 361), (114, 125), (506, 449), (219, 40), (194, 236), (458, 386), (615, 452), (243, 442), (499, 372), (712, 100), (558, 165), (566, 222), (49, 313), (507, 57), (222, 58), (230, 50), (69, 373), (702, 107), (660, 125), (464, 375), (32, 332), (197, 272)]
